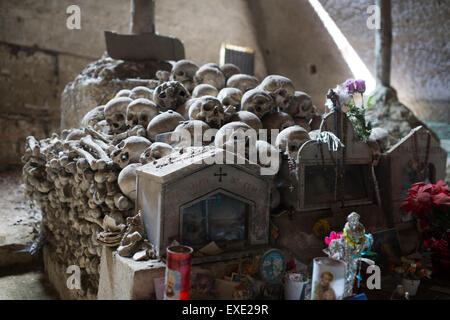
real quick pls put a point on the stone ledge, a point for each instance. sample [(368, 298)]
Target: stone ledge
[(125, 279)]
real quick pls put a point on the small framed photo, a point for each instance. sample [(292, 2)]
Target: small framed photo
[(387, 246)]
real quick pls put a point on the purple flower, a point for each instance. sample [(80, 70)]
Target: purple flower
[(350, 85), (360, 86)]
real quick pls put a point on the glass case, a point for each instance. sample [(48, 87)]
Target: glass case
[(219, 217)]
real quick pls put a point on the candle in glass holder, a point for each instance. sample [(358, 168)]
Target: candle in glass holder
[(178, 269)]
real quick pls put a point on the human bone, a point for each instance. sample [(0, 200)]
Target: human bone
[(249, 118), (141, 111), (156, 151), (258, 102), (184, 71), (280, 88), (170, 95), (229, 70), (291, 139), (231, 101), (277, 120), (204, 90), (162, 123), (129, 150), (141, 92), (301, 107), (243, 82), (134, 240), (210, 75), (190, 133), (127, 180), (116, 112), (207, 109)]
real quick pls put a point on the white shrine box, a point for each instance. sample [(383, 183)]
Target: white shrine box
[(416, 157), (189, 198), (313, 185)]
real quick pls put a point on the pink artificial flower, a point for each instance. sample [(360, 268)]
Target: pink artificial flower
[(333, 236)]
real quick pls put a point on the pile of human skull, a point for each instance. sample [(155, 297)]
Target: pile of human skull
[(84, 179)]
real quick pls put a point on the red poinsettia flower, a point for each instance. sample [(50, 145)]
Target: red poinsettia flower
[(441, 199), (423, 224), (443, 187)]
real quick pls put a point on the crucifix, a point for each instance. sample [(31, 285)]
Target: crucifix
[(143, 43), (220, 174)]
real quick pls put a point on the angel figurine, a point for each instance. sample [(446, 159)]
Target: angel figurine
[(351, 248)]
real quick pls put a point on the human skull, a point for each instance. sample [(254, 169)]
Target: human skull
[(258, 102), (184, 71), (141, 111), (291, 139), (229, 70), (162, 123), (249, 118), (170, 95), (277, 120), (231, 101), (230, 131), (162, 76), (123, 93), (156, 151), (266, 154), (141, 92), (210, 75), (207, 109), (93, 117), (127, 180), (301, 106), (116, 113), (302, 123), (204, 90), (129, 150), (280, 88), (184, 108), (190, 133), (243, 82)]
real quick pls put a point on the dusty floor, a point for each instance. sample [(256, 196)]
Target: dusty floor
[(21, 275)]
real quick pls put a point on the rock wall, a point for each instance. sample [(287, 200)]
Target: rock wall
[(420, 50), (39, 55)]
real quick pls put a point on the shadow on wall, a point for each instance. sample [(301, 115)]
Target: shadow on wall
[(420, 50), (296, 44)]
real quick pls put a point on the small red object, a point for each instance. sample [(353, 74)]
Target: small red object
[(178, 270)]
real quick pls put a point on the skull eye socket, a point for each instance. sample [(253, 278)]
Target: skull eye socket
[(162, 95), (119, 117), (282, 92), (130, 117), (180, 73), (207, 107), (124, 157), (144, 118), (258, 108), (115, 125), (293, 147), (182, 93)]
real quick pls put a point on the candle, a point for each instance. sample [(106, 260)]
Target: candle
[(178, 269)]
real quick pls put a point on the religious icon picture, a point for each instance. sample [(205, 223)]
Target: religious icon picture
[(328, 281), (172, 285)]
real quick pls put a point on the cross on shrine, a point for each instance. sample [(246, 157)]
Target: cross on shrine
[(220, 174)]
